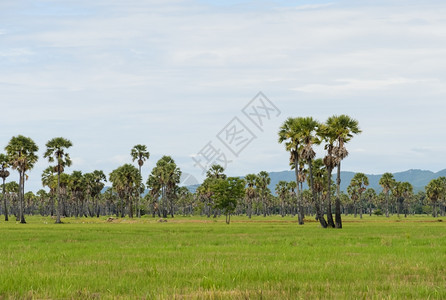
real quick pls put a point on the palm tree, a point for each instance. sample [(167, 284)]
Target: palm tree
[(291, 133), (309, 127), (163, 180), (263, 180), (250, 191), (94, 183), (343, 127), (140, 153), (282, 192), (360, 182), (370, 195), (216, 171), (126, 179), (55, 151), (328, 134), (435, 190), (21, 151), (48, 181), (387, 182), (4, 173)]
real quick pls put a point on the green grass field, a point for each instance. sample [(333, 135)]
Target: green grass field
[(189, 258)]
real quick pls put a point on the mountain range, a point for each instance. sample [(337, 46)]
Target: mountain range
[(418, 178)]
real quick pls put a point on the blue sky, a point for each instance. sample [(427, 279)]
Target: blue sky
[(171, 74)]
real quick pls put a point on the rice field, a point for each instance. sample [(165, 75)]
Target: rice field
[(200, 258)]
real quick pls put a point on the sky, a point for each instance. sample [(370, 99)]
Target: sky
[(183, 78)]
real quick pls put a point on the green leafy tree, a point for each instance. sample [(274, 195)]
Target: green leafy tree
[(22, 155), (56, 152), (140, 154), (227, 192)]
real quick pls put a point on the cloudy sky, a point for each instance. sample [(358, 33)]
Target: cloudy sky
[(173, 74)]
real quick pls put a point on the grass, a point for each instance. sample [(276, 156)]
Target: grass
[(190, 258)]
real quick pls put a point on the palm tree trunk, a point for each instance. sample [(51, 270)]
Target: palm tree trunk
[(138, 212), (59, 206), (300, 211), (21, 196), (387, 204), (319, 214), (4, 201), (338, 219), (329, 214)]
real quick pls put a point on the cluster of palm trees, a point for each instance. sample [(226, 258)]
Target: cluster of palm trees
[(79, 194), (300, 135)]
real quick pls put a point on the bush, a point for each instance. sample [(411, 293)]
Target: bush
[(378, 212)]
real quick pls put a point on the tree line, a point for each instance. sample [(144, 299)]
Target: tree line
[(83, 195)]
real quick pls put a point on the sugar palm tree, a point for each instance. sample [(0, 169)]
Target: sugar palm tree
[(387, 182), (4, 173), (163, 181), (139, 153), (282, 193), (308, 131), (297, 133), (370, 195), (250, 191), (328, 134), (216, 171), (56, 151), (126, 179), (360, 182), (262, 182), (22, 155), (290, 134), (435, 190), (343, 128)]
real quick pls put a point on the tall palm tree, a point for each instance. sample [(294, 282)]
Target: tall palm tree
[(4, 173), (343, 127), (290, 134), (308, 130), (22, 155), (387, 182), (139, 153), (328, 134), (56, 151)]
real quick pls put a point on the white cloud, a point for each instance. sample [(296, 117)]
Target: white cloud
[(172, 73)]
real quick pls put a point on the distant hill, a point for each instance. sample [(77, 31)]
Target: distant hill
[(418, 178)]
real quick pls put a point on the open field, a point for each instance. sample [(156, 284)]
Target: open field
[(188, 258)]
